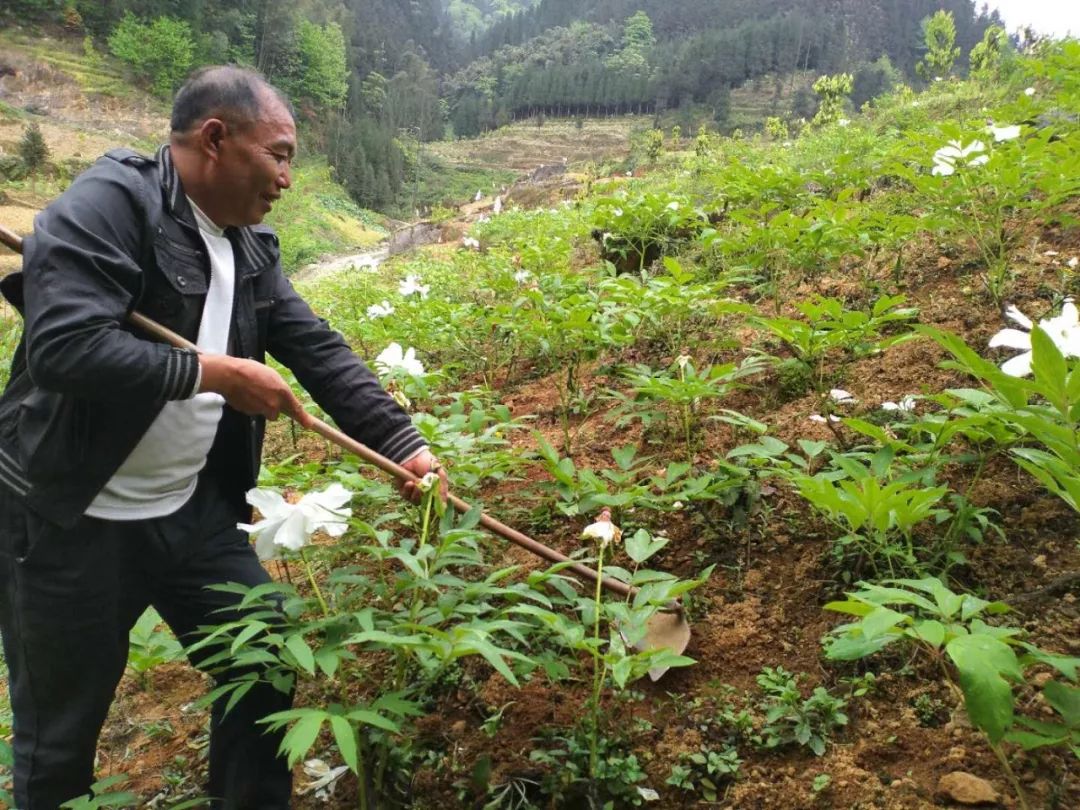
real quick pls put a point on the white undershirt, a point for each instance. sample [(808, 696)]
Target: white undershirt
[(161, 473)]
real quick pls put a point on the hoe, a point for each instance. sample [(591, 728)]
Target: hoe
[(667, 628)]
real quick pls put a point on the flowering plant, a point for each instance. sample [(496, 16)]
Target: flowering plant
[(1064, 331), (393, 358), (291, 525), (411, 286)]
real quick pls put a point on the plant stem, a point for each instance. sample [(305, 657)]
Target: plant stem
[(598, 673), (314, 584), (1010, 774), (361, 775)]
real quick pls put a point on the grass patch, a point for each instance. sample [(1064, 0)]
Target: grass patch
[(445, 184), (316, 217)]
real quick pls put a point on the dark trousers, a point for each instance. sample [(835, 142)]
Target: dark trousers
[(68, 600)]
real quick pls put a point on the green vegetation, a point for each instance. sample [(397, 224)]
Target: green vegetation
[(32, 148), (160, 52), (316, 218), (679, 344)]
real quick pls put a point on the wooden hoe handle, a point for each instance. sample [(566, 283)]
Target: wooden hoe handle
[(150, 327)]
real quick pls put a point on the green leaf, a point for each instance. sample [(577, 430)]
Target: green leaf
[(641, 546), (622, 670), (1029, 740), (981, 661), (301, 652), (248, 633), (850, 607), (1050, 369), (624, 456), (345, 736), (1066, 701), (301, 736), (852, 647), (328, 660), (931, 631), (879, 621), (370, 718)]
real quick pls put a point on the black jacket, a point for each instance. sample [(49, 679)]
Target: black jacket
[(85, 385)]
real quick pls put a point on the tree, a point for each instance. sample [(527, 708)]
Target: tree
[(161, 51), (373, 93), (322, 71), (985, 58), (638, 41), (873, 80), (33, 150), (939, 34), (833, 92)]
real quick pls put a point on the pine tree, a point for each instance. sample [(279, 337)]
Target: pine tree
[(33, 150)]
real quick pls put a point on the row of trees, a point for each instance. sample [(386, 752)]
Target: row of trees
[(361, 72), (372, 77)]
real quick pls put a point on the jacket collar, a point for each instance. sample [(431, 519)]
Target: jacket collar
[(254, 253)]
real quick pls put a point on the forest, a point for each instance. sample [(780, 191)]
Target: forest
[(374, 79)]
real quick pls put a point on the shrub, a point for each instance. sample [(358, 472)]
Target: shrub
[(161, 52)]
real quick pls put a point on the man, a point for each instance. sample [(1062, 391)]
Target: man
[(123, 461)]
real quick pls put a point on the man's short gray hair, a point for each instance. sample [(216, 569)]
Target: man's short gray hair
[(228, 92)]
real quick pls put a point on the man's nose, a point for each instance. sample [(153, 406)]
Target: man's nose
[(285, 178)]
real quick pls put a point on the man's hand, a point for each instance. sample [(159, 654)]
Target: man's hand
[(420, 465), (250, 387)]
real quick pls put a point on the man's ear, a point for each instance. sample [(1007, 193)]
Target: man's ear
[(211, 134)]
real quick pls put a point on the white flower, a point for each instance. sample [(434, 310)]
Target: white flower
[(469, 242), (842, 397), (683, 360), (521, 276), (1071, 263), (1005, 133), (603, 531), (1029, 92), (323, 779), (411, 285), (673, 206), (290, 525), (380, 310), (817, 417), (843, 122), (905, 405), (617, 212), (607, 235), (1064, 330), (392, 357), (945, 158), (428, 482), (677, 505)]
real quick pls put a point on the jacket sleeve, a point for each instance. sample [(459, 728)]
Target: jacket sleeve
[(337, 379), (81, 279)]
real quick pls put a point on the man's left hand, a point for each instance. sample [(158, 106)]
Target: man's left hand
[(420, 465)]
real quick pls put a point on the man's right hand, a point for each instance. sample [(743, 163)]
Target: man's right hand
[(250, 387)]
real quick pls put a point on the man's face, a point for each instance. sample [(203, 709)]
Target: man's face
[(254, 164)]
